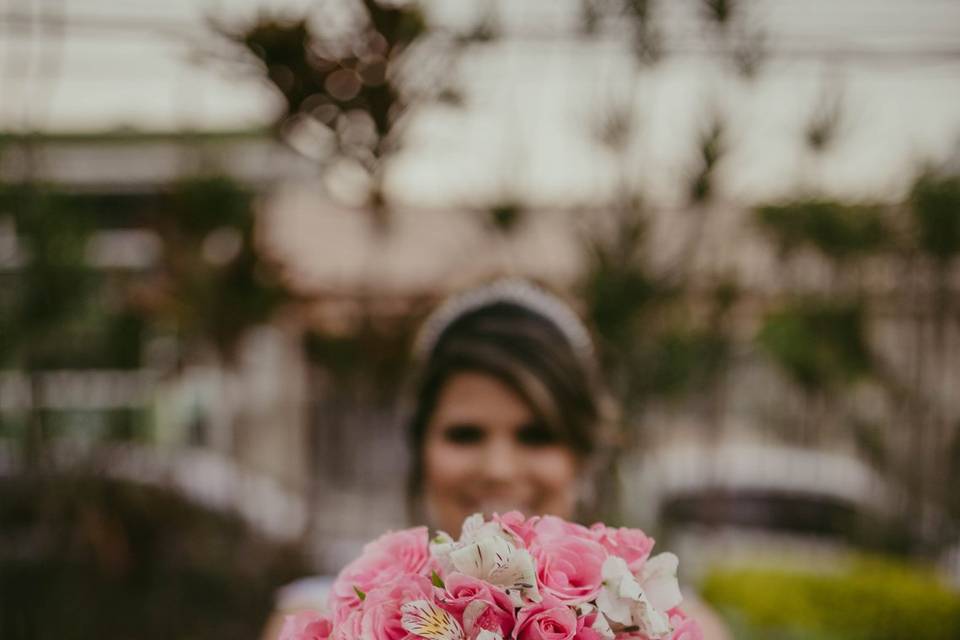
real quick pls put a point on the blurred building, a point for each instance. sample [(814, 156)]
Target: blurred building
[(300, 438)]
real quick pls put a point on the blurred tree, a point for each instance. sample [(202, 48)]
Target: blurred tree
[(349, 79), (47, 291), (935, 205), (822, 345), (838, 230), (212, 285), (934, 246), (823, 126), (210, 288), (664, 325), (736, 40)]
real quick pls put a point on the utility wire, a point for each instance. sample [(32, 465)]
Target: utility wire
[(19, 23)]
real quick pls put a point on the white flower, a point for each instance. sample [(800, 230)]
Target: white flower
[(427, 620), (600, 623), (487, 552), (659, 581), (640, 601)]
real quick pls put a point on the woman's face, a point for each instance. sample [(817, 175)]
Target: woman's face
[(485, 451)]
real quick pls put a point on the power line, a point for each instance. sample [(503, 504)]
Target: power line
[(19, 26), (16, 20)]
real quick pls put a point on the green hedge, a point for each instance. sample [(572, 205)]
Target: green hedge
[(870, 600)]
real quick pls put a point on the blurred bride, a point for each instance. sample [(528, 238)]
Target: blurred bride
[(508, 413)]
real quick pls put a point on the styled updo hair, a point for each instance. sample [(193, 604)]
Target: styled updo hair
[(533, 343)]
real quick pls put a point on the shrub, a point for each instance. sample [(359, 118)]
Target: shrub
[(872, 599)]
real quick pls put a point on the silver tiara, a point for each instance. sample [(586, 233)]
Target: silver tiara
[(512, 290)]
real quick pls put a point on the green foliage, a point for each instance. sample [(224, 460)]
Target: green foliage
[(204, 204), (618, 288), (212, 285), (53, 281), (819, 343), (685, 360), (935, 205), (840, 231), (871, 600), (653, 343), (436, 580), (617, 296)]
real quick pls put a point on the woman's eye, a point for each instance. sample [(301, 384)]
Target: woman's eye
[(536, 435), (463, 434)]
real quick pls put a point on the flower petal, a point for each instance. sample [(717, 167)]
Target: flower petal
[(659, 581), (427, 620), (485, 634)]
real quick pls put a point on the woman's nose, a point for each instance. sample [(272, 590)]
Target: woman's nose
[(500, 463)]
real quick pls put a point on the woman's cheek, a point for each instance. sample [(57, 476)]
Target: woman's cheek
[(448, 466), (553, 473)]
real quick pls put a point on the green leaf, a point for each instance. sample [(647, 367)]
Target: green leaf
[(436, 580), (360, 594)]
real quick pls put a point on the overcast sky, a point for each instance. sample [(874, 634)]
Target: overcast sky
[(896, 64)]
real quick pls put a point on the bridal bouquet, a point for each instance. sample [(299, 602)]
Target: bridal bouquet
[(507, 578)]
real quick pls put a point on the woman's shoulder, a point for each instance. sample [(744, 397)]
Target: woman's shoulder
[(305, 593), (309, 593)]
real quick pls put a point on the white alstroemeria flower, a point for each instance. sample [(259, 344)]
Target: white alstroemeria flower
[(487, 552), (628, 601), (424, 619), (600, 624), (497, 561), (474, 529), (659, 581)]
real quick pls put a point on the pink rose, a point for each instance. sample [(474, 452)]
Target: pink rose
[(684, 627), (569, 560), (633, 545), (382, 561), (462, 590), (349, 628), (585, 630), (410, 548), (520, 527), (380, 614), (306, 625), (549, 619)]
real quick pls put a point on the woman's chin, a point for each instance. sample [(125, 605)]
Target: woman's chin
[(490, 507)]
